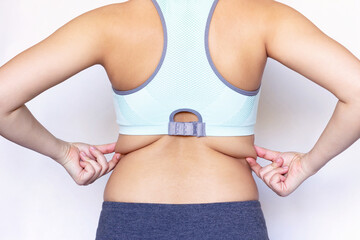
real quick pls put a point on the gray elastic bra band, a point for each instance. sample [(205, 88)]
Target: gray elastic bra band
[(196, 128)]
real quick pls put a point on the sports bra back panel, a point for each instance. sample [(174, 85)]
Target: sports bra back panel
[(186, 79)]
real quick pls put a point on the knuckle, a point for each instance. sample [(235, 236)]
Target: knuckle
[(98, 167), (91, 171), (273, 181), (267, 177), (262, 173), (94, 150), (274, 164), (96, 172), (105, 167)]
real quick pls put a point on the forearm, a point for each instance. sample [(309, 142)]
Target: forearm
[(22, 128), (342, 130)]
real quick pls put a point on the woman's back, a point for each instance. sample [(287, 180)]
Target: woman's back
[(208, 169), (177, 169)]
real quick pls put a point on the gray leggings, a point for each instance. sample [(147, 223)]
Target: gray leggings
[(243, 220)]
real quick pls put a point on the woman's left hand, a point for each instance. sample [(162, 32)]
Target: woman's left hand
[(286, 172)]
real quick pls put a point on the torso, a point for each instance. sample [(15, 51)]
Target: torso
[(184, 169)]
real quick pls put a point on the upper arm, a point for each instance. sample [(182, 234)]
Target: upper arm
[(71, 48), (297, 43)]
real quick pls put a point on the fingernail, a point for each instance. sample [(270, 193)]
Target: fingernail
[(92, 148), (285, 167), (278, 160), (118, 157), (82, 153)]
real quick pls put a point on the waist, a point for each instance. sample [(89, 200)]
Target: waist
[(178, 170)]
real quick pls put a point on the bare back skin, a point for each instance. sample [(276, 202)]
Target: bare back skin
[(184, 169)]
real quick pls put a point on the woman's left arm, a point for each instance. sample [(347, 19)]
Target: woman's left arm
[(70, 49), (296, 42)]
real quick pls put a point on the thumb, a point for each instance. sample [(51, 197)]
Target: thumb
[(266, 153), (249, 159), (106, 148)]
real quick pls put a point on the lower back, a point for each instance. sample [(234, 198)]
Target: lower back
[(173, 169)]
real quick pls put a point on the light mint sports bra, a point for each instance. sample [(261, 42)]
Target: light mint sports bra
[(186, 79)]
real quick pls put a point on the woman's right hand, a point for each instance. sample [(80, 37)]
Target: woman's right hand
[(85, 164), (286, 172)]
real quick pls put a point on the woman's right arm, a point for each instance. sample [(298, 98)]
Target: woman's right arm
[(72, 48), (75, 46), (297, 43)]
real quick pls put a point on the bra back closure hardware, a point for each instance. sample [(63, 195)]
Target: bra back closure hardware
[(196, 128)]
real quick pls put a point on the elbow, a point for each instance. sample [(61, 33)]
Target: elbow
[(8, 103), (351, 97), (355, 98), (2, 110), (4, 105), (5, 110), (355, 95), (351, 102)]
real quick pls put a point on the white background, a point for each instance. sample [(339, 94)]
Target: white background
[(39, 200)]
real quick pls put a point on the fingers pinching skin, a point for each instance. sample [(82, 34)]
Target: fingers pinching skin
[(96, 166), (87, 174), (265, 170), (113, 162), (272, 174), (100, 158), (284, 174), (266, 153), (106, 166), (85, 165), (91, 168), (254, 165), (278, 184), (100, 165), (106, 148), (261, 171), (275, 172)]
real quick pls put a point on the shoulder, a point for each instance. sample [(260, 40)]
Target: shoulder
[(117, 18), (259, 15), (132, 10), (278, 13), (99, 18), (111, 14), (272, 11), (273, 7), (279, 22), (267, 11), (101, 26)]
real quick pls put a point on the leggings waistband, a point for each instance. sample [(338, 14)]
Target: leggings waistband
[(125, 206), (188, 221)]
